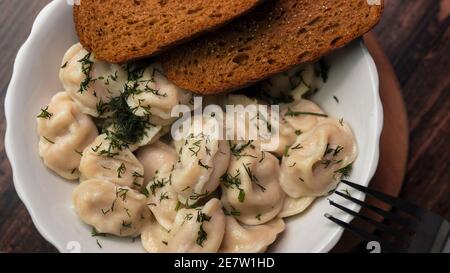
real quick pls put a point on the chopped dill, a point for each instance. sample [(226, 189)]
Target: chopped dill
[(252, 177), (163, 196), (98, 243), (122, 193), (203, 165), (121, 170), (48, 140), (178, 206), (346, 191), (45, 114), (95, 233), (233, 212), (96, 148), (291, 113), (345, 171)]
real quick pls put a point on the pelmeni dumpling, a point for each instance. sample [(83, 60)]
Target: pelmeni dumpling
[(89, 81), (156, 158), (202, 161), (294, 206), (109, 208), (250, 189), (198, 230), (316, 161), (159, 160), (103, 160), (156, 95), (296, 118), (64, 133), (249, 239), (291, 85)]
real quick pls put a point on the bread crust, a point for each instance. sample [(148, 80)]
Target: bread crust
[(273, 38), (118, 31)]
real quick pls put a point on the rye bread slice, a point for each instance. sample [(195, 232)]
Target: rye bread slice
[(272, 38), (122, 30)]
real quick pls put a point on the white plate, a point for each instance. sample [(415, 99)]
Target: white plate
[(353, 79)]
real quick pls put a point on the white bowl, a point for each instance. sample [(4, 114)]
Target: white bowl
[(353, 79)]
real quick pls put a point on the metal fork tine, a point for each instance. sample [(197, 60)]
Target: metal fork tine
[(386, 214), (402, 205), (361, 233), (398, 235)]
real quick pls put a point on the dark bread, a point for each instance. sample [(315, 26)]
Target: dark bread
[(271, 39), (122, 30)]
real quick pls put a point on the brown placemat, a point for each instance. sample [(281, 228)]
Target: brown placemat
[(394, 141)]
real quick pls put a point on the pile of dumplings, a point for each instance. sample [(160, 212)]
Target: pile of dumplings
[(197, 194)]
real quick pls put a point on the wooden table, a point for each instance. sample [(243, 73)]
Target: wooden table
[(415, 36)]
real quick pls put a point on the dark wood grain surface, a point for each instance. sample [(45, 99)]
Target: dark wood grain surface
[(415, 35)]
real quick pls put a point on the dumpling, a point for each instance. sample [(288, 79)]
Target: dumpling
[(64, 133), (315, 163), (105, 161), (89, 81), (202, 161), (156, 158), (198, 230), (249, 239), (157, 95), (159, 160), (294, 206), (250, 189), (291, 85), (296, 118), (109, 208)]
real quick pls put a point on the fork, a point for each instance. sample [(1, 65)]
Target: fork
[(410, 228)]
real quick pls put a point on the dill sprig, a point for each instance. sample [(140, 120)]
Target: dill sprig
[(163, 196), (48, 140), (45, 114), (345, 171), (203, 165), (291, 113), (95, 233), (252, 177), (121, 170)]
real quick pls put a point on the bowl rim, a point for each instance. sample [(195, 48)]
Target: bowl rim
[(38, 223)]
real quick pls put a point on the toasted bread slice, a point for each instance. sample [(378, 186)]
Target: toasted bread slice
[(122, 30), (271, 39)]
